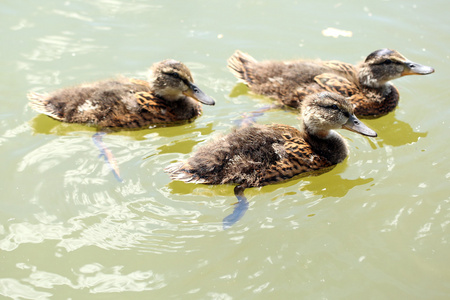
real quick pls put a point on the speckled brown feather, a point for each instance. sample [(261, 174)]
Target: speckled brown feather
[(366, 101), (299, 157), (124, 102), (367, 107), (289, 82), (251, 156), (262, 154), (116, 103), (162, 112)]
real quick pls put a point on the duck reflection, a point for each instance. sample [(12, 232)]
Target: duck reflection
[(394, 132), (330, 184), (42, 124)]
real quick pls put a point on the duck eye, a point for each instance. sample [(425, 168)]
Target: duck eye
[(175, 74), (334, 106), (387, 62)]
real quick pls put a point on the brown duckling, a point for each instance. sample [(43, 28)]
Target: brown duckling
[(366, 85), (263, 154), (169, 96)]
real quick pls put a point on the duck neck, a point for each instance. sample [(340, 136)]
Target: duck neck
[(326, 143), (367, 79), (185, 108)]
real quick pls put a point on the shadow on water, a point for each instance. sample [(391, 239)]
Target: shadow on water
[(42, 124), (240, 89), (394, 132), (331, 184)]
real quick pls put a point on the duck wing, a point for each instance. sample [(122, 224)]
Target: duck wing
[(337, 84), (298, 158), (345, 69)]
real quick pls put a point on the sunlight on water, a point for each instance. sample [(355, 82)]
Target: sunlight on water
[(375, 226)]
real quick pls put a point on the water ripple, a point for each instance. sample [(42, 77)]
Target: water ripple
[(99, 279), (53, 47), (15, 289)]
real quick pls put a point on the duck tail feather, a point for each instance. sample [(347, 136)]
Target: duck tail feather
[(181, 171), (240, 65), (39, 102)]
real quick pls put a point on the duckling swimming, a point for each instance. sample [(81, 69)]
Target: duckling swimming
[(169, 96), (366, 85), (263, 154)]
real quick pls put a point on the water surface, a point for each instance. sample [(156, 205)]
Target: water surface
[(374, 227)]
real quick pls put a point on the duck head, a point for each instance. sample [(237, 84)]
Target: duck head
[(384, 65), (173, 81), (325, 111)]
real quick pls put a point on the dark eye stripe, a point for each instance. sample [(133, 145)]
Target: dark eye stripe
[(387, 62), (335, 107), (177, 76), (173, 74), (332, 106)]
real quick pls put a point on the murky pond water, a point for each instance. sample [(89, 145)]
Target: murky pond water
[(374, 227)]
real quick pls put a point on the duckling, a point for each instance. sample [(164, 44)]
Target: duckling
[(366, 85), (169, 96), (264, 154)]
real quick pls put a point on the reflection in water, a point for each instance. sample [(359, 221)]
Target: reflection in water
[(394, 132), (338, 189), (101, 212), (42, 124), (110, 160), (241, 89), (69, 230), (312, 183)]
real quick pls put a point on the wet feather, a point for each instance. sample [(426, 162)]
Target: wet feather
[(127, 102), (366, 85)]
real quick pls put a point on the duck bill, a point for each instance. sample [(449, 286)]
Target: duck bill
[(197, 94), (412, 68), (354, 124)]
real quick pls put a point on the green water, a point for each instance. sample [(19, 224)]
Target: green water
[(374, 227)]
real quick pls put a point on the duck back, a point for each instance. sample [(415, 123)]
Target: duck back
[(113, 103), (251, 156), (290, 81)]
